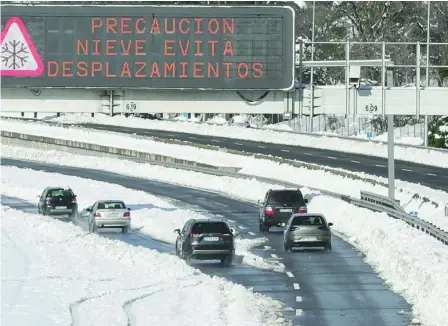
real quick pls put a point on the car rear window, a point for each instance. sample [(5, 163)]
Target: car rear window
[(308, 220), (285, 197), (61, 193), (112, 205), (211, 227)]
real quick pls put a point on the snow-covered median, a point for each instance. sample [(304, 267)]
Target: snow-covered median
[(269, 136), (151, 215), (54, 273), (311, 178)]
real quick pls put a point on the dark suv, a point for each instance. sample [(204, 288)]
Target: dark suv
[(205, 239), (278, 206), (58, 201)]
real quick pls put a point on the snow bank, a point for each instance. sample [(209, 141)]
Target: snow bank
[(412, 263), (306, 177), (151, 215), (54, 273), (422, 156)]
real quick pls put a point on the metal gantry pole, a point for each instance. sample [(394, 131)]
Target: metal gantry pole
[(425, 136), (390, 155), (312, 70)]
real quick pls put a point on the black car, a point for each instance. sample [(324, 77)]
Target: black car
[(58, 201), (205, 239), (279, 205)]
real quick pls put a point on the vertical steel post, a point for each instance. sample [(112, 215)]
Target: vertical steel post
[(425, 136), (390, 155), (417, 81), (312, 70)]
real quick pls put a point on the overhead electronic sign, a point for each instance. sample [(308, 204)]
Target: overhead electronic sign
[(156, 47)]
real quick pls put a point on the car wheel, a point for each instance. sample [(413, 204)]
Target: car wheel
[(328, 246), (263, 227), (93, 228), (227, 260), (176, 250), (287, 247), (73, 215), (187, 257), (125, 229), (44, 211)]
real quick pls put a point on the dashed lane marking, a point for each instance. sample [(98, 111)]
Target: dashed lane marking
[(308, 154), (296, 286), (299, 312), (251, 233), (298, 298), (433, 174), (216, 141), (332, 157), (192, 137), (355, 161), (241, 227), (267, 247), (274, 256), (380, 166), (259, 146), (407, 170), (285, 150), (238, 144), (220, 204), (290, 274)]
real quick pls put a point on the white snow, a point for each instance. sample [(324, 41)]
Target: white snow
[(422, 156), (413, 263), (54, 273), (317, 179), (150, 215)]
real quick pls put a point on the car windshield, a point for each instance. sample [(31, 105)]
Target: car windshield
[(60, 193), (308, 220), (112, 205), (292, 196), (211, 227)]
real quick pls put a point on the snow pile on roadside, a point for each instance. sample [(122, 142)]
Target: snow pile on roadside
[(107, 282), (151, 215), (422, 156), (413, 264), (309, 178)]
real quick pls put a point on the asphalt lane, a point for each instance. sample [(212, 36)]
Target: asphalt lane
[(320, 288), (431, 176)]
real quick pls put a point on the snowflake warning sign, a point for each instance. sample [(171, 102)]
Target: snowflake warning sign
[(19, 56)]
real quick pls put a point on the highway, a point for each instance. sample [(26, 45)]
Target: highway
[(319, 289), (431, 176)]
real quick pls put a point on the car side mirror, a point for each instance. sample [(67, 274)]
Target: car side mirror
[(129, 208), (232, 231), (259, 201), (177, 231), (306, 201), (330, 224), (88, 209)]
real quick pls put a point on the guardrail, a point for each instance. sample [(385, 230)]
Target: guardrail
[(368, 200), (316, 135)]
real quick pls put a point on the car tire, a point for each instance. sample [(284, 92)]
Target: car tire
[(187, 257), (93, 228), (287, 247), (73, 215), (125, 229), (263, 228), (176, 250), (44, 211), (227, 260), (327, 246)]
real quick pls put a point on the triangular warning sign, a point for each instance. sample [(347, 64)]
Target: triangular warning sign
[(19, 56)]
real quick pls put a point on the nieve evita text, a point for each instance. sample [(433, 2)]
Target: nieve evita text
[(159, 48)]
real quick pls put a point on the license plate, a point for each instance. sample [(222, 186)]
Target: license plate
[(286, 210), (61, 207), (211, 239), (309, 239)]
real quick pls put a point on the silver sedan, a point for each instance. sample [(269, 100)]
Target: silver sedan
[(108, 214), (307, 230)]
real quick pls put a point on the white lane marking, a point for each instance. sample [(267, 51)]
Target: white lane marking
[(299, 312), (380, 166), (192, 137), (298, 298), (171, 135), (251, 233), (224, 205), (433, 174), (296, 286), (216, 141), (332, 157), (201, 198), (285, 150), (259, 146), (219, 215), (308, 154), (231, 221), (238, 144), (288, 309), (407, 170), (355, 161), (290, 274), (241, 227), (274, 256), (267, 247)]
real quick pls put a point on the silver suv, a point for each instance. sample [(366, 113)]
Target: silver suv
[(307, 230)]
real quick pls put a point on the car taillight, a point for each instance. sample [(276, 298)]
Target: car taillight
[(268, 211), (74, 200), (195, 234), (127, 214), (97, 215), (48, 200), (303, 210)]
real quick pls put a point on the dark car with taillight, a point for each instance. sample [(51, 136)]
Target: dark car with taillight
[(307, 230), (278, 206), (58, 201), (205, 239)]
